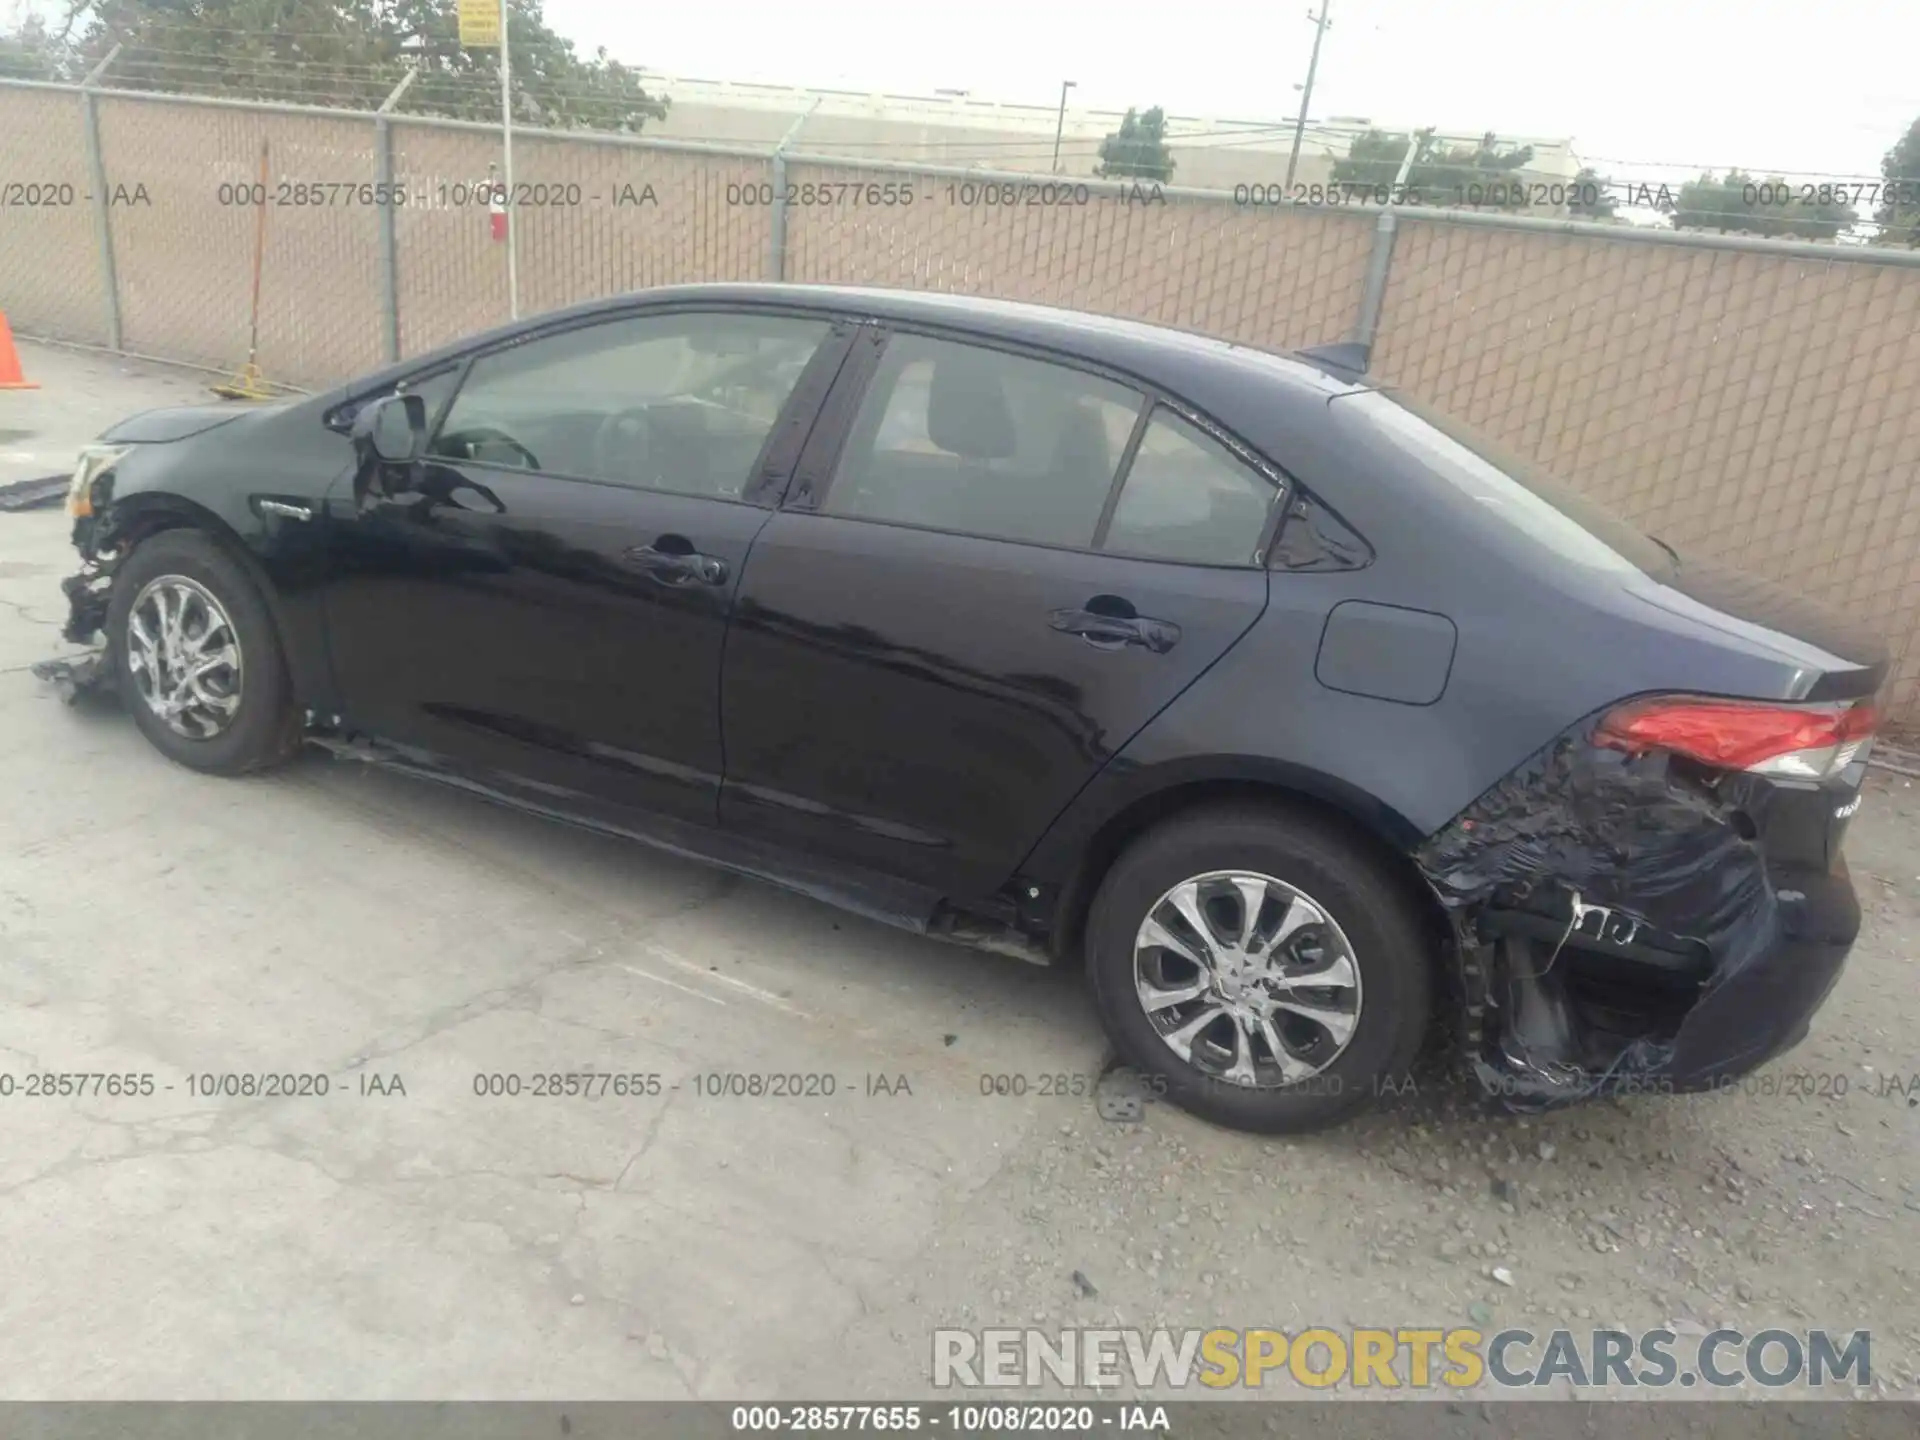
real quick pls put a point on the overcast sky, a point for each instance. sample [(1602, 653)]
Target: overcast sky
[(1818, 87), (1654, 89)]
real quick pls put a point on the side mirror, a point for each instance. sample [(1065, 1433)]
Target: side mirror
[(392, 430)]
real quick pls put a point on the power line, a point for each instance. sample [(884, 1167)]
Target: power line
[(196, 67)]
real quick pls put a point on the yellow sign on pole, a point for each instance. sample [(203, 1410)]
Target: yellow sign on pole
[(480, 23)]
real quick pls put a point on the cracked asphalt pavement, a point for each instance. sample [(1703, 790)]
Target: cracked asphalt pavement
[(402, 1236)]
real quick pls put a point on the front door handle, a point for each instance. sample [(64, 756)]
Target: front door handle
[(671, 565), (1104, 631)]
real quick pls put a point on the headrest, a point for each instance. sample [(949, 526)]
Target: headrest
[(967, 410)]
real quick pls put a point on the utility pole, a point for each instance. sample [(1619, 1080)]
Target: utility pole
[(1321, 24), (506, 134), (1060, 125)]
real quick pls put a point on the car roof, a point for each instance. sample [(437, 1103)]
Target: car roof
[(1136, 345), (1159, 354)]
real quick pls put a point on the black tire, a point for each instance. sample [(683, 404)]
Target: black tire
[(1349, 882), (264, 729)]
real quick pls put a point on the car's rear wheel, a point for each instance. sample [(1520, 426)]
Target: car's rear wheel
[(1267, 969), (196, 658)]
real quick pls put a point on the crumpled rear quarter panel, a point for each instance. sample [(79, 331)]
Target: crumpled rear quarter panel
[(1642, 838)]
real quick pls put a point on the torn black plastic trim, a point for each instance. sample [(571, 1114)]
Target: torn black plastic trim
[(87, 599), (1683, 960), (1314, 539), (1602, 932)]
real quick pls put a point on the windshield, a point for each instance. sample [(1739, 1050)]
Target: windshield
[(1514, 489)]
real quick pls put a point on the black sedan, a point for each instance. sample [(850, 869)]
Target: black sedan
[(1301, 716)]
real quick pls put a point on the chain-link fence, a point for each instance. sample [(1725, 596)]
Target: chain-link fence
[(50, 276), (1755, 400), (1757, 408), (184, 255), (1177, 257)]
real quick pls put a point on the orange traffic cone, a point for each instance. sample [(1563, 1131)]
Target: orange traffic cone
[(11, 376)]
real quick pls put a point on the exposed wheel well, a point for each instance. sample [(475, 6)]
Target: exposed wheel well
[(137, 519), (144, 523), (1120, 831), (138, 525)]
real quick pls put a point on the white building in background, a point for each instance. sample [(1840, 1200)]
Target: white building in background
[(954, 128)]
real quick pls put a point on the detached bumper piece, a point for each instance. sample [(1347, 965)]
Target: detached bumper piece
[(1621, 932), (75, 680), (42, 494)]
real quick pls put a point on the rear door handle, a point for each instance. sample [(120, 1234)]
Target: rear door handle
[(676, 566), (1115, 632)]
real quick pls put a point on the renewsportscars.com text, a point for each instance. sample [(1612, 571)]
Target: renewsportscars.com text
[(1403, 1358)]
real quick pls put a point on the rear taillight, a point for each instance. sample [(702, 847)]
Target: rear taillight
[(1802, 741)]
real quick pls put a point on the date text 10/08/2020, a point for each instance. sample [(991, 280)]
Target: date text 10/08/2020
[(992, 1417), (1868, 1086), (1762, 199)]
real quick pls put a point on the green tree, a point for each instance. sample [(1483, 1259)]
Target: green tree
[(1373, 160), (31, 52), (1138, 149), (1898, 212), (1486, 173), (1739, 203), (1592, 196), (352, 53)]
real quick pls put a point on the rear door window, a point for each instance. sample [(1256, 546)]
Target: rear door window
[(976, 441)]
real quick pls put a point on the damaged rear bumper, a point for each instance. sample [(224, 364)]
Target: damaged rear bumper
[(1763, 1008), (1620, 930), (1542, 1036)]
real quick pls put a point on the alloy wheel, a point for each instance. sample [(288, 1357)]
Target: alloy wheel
[(184, 655), (1247, 978)]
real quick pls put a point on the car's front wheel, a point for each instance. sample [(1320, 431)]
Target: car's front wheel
[(1264, 967), (196, 658)]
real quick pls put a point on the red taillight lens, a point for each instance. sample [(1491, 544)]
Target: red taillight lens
[(1803, 740)]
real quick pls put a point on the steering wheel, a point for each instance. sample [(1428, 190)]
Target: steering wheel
[(623, 443)]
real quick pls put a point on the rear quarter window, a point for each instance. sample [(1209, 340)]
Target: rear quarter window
[(1186, 498), (1509, 488)]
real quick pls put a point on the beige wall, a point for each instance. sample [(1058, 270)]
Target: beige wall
[(185, 261), (1218, 162), (1294, 277), (1763, 408), (49, 257), (452, 274)]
